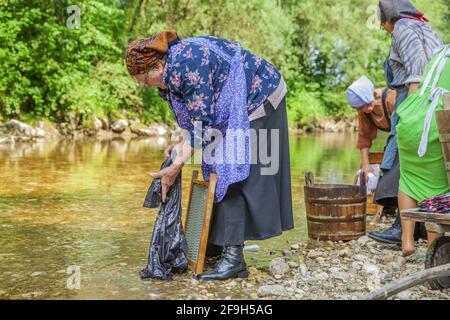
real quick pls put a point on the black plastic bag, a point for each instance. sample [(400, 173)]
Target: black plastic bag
[(168, 246)]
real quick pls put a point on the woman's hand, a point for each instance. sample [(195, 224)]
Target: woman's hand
[(367, 169), (167, 176), (169, 149), (365, 163), (412, 88), (182, 152)]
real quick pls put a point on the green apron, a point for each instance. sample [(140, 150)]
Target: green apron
[(422, 168)]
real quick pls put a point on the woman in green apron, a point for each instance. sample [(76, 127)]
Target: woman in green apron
[(422, 169), (413, 43)]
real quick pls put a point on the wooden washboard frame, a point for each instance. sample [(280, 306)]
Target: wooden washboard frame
[(196, 227)]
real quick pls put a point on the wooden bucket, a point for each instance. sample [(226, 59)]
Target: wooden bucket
[(335, 211), (443, 124)]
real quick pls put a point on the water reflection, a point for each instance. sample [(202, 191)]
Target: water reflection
[(66, 203)]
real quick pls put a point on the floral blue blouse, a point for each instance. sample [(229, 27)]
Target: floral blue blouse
[(197, 76)]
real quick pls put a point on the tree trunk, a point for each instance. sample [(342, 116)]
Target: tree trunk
[(137, 11)]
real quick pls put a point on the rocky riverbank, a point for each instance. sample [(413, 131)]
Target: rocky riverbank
[(331, 270), (14, 131), (330, 125)]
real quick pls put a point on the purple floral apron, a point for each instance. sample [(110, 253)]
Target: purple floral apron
[(230, 113)]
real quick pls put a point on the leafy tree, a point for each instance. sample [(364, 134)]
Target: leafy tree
[(50, 70)]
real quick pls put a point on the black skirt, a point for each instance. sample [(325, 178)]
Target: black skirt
[(387, 188), (259, 207)]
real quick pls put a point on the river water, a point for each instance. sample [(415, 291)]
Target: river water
[(72, 225)]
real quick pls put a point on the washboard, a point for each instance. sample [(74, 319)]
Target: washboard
[(198, 219)]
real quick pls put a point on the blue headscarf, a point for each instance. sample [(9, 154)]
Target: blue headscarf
[(360, 92)]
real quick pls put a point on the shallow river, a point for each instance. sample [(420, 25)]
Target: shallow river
[(73, 211)]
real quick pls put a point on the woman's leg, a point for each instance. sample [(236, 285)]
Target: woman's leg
[(405, 202)]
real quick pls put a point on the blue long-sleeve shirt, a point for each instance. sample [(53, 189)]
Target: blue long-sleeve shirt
[(197, 75)]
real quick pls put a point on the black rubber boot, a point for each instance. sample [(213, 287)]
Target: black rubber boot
[(230, 265), (213, 251), (392, 235)]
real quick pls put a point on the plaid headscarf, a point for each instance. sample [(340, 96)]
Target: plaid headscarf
[(144, 54)]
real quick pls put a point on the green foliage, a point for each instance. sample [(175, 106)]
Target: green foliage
[(154, 108), (108, 87), (50, 70), (305, 108)]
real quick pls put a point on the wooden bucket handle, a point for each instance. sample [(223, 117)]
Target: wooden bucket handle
[(309, 179), (362, 181)]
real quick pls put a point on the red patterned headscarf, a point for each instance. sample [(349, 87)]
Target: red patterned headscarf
[(144, 55)]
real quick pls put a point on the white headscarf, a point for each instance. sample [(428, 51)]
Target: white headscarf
[(360, 92)]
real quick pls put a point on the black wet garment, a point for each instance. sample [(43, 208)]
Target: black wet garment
[(168, 247)]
